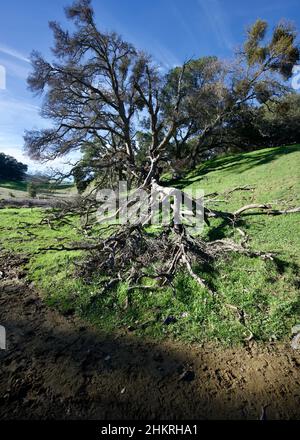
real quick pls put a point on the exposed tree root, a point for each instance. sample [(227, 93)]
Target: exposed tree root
[(133, 255)]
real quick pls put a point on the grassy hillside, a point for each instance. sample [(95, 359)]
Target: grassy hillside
[(264, 293), (18, 190), (274, 176), (273, 172)]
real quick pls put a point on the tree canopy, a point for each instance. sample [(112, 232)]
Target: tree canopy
[(11, 169), (128, 116)]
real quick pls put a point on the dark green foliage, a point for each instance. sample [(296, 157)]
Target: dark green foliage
[(11, 169), (273, 124)]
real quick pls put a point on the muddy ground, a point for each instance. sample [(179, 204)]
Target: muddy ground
[(57, 367)]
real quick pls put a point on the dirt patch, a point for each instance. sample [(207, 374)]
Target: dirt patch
[(34, 203), (57, 367)]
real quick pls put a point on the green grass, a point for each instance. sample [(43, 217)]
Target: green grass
[(52, 272), (266, 291), (13, 185)]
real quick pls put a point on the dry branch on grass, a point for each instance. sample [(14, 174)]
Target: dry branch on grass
[(131, 254)]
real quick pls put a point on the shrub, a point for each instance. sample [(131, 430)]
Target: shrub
[(32, 190)]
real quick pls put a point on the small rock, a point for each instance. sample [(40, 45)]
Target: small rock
[(187, 376), (295, 344), (296, 329), (170, 320), (263, 415)]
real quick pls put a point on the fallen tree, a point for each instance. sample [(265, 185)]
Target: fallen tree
[(132, 253)]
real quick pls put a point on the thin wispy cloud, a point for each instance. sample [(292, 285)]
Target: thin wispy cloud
[(164, 56), (183, 22), (218, 21), (17, 153), (140, 40), (12, 105), (15, 69), (34, 166), (16, 115), (15, 63), (14, 53)]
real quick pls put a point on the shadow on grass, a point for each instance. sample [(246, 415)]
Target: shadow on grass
[(240, 161)]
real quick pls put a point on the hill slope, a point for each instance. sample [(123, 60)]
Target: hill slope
[(274, 177), (255, 298), (18, 190)]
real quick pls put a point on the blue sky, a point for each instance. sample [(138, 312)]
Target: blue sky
[(171, 30)]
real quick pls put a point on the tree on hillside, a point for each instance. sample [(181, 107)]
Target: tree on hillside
[(11, 169), (274, 123), (101, 91), (281, 121), (131, 120)]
